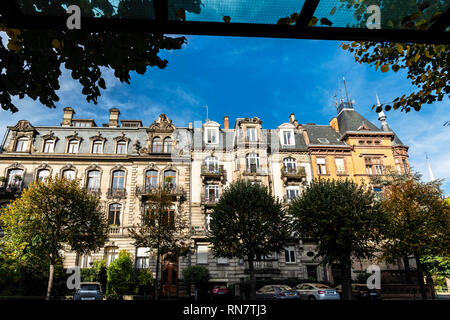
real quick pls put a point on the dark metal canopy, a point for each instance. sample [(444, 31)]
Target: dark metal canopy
[(419, 21)]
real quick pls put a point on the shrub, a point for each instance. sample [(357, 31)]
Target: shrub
[(144, 281), (120, 275), (197, 275)]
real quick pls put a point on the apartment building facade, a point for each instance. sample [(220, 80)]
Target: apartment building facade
[(123, 161)]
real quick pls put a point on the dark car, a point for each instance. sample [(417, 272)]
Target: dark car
[(220, 291), (277, 291), (361, 292), (89, 291)]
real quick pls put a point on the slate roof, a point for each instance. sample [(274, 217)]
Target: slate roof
[(316, 132), (350, 120)]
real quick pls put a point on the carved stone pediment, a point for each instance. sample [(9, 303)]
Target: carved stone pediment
[(50, 136), (121, 137), (98, 137), (162, 125), (23, 126)]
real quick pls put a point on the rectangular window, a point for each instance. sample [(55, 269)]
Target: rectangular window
[(287, 138), (73, 147), (202, 254), (97, 147), (321, 166), (251, 134), (289, 254), (292, 193), (212, 193), (49, 146), (121, 148), (340, 166), (374, 166), (211, 136)]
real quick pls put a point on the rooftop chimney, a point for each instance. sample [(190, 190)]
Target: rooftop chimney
[(114, 117), (190, 125), (226, 122), (67, 117), (292, 118)]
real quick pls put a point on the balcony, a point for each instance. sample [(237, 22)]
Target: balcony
[(213, 172), (11, 191), (116, 193), (291, 174), (209, 200), (115, 231), (145, 191), (94, 191), (264, 267), (253, 170)]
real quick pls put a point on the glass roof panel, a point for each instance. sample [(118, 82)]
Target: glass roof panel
[(142, 9), (237, 11), (394, 14)]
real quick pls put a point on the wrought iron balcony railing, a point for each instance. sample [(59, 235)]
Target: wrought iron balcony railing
[(116, 193), (298, 173), (264, 266), (12, 188), (94, 191), (171, 188), (208, 199), (213, 171)]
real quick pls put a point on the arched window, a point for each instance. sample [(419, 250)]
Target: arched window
[(49, 145), (170, 178), (114, 214), (252, 160), (73, 146), (97, 146), (290, 165), (167, 145), (93, 180), (121, 147), (69, 174), (118, 181), (15, 177), (43, 174), (157, 145), (212, 164), (151, 179), (22, 144)]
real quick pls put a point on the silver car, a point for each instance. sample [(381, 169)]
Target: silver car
[(89, 291), (276, 291), (316, 291)]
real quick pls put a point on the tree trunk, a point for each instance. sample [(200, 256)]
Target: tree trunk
[(156, 275), (50, 281), (421, 282), (251, 269), (431, 283), (346, 269), (407, 270)]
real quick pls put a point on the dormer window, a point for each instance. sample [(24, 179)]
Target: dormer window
[(22, 144), (121, 147), (97, 146), (323, 140), (287, 137), (251, 134), (167, 145), (73, 146), (49, 145), (157, 145), (212, 136)]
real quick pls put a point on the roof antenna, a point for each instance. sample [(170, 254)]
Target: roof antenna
[(346, 93), (207, 119)]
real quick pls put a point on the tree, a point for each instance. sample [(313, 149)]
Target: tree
[(197, 275), (344, 218), (33, 58), (49, 218), (96, 273), (248, 222), (419, 221), (426, 64), (120, 275), (164, 231)]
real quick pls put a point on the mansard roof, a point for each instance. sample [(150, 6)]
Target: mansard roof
[(323, 135), (351, 120)]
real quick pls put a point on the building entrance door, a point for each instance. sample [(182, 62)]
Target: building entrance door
[(169, 277)]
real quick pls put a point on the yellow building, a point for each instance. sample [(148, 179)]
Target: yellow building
[(353, 147)]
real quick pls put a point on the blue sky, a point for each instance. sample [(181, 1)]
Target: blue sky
[(268, 78)]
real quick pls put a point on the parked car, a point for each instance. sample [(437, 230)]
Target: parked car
[(316, 291), (362, 292), (89, 291), (220, 291), (276, 291)]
